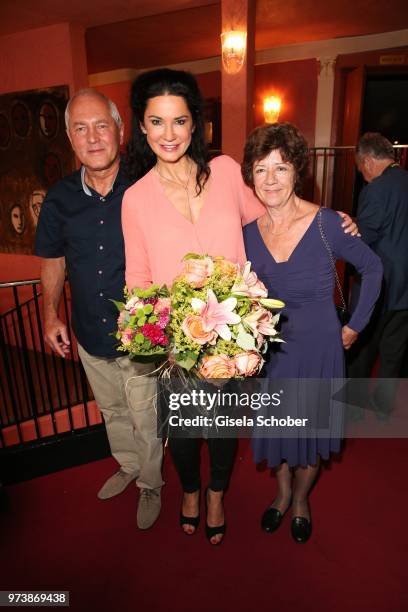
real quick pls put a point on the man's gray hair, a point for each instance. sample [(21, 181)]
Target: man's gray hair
[(113, 109), (375, 145)]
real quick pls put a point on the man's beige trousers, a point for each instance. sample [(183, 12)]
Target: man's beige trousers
[(128, 403)]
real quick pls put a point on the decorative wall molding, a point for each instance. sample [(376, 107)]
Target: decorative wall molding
[(324, 102), (333, 47), (317, 49), (211, 64), (326, 66)]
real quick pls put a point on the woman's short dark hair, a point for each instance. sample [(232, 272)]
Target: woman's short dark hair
[(282, 136), (140, 157)]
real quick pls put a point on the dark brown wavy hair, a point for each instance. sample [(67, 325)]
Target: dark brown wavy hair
[(164, 81), (282, 136)]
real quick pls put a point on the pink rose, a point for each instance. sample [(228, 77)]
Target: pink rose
[(161, 304), (196, 271), (217, 366), (248, 364), (192, 326)]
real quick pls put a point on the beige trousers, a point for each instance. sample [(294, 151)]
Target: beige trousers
[(128, 404)]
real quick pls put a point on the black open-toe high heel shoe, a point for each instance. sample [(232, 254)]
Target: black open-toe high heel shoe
[(193, 521), (211, 532)]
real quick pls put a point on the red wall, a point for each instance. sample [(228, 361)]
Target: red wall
[(18, 267), (119, 93), (38, 58), (43, 57), (210, 84), (296, 84)]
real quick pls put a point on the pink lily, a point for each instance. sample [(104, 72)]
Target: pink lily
[(260, 321), (248, 284), (217, 315)]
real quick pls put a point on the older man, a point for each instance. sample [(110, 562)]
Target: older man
[(79, 230), (382, 219)]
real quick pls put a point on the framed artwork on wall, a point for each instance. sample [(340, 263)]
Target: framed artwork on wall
[(34, 154)]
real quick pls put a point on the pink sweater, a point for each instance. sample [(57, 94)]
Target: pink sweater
[(157, 236)]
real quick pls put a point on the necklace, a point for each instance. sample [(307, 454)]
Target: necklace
[(182, 185), (185, 187)]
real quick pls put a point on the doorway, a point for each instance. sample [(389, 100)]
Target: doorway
[(375, 100)]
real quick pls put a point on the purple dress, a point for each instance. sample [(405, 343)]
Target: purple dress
[(309, 322)]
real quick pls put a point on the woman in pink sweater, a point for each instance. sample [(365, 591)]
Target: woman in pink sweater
[(181, 204)]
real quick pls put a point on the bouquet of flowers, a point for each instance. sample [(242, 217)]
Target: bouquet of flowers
[(221, 319), (216, 321), (142, 323)]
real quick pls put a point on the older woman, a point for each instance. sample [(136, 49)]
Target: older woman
[(182, 204), (289, 249)]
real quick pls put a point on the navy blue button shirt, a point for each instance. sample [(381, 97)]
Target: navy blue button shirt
[(84, 227)]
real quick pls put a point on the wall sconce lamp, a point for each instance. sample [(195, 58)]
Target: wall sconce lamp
[(233, 45), (272, 107)]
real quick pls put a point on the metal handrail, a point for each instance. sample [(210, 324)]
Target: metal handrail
[(12, 285), (34, 281), (395, 146), (34, 382)]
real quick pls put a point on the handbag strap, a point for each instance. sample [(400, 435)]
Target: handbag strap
[(332, 260)]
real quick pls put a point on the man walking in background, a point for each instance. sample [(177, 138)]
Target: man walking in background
[(80, 230), (382, 218)]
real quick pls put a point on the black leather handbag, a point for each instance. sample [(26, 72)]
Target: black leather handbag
[(342, 311)]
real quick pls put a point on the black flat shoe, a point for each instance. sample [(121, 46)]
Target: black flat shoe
[(211, 532), (271, 520), (301, 529)]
